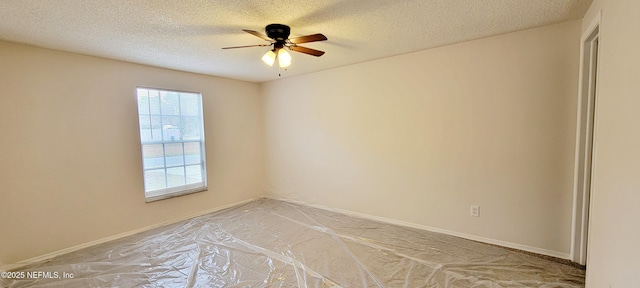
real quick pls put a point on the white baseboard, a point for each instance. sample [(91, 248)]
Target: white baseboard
[(7, 267), (527, 248)]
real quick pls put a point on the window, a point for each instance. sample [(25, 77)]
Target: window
[(172, 140)]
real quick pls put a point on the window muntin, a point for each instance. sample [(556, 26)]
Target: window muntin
[(172, 139)]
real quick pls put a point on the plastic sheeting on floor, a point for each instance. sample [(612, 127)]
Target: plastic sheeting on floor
[(269, 243)]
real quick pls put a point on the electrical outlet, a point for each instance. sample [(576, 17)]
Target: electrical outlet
[(475, 211)]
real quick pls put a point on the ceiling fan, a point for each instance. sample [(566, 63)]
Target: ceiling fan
[(278, 36)]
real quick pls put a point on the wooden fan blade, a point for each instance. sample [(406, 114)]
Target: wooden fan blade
[(308, 38), (306, 50), (258, 34), (234, 47)]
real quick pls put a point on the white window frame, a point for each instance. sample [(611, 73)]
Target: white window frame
[(170, 192)]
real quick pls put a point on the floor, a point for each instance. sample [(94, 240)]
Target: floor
[(269, 243)]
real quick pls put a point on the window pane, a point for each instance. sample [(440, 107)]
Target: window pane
[(152, 156), (145, 128), (194, 174), (175, 177), (143, 101), (152, 131), (154, 180), (171, 128), (189, 104), (173, 154), (154, 102), (170, 103), (192, 153), (190, 128)]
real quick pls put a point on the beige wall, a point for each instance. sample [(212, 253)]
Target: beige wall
[(614, 251), (420, 137), (70, 161)]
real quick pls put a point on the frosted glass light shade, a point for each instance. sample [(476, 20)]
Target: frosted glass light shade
[(284, 59), (269, 58)]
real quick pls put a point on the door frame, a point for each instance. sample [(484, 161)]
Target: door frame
[(585, 139)]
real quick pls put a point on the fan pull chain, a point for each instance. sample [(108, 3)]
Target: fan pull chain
[(279, 73)]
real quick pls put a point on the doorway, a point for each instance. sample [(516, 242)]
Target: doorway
[(585, 147)]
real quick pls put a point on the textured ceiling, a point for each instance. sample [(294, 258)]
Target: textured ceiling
[(188, 35)]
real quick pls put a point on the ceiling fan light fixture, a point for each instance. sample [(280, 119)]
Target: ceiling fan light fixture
[(270, 57), (284, 58), (278, 38)]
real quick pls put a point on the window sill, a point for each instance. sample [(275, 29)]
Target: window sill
[(163, 194)]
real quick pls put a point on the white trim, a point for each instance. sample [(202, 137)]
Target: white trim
[(48, 256), (595, 23), (162, 194), (579, 219), (527, 248)]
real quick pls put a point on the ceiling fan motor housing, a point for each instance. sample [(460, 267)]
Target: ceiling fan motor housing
[(278, 32)]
